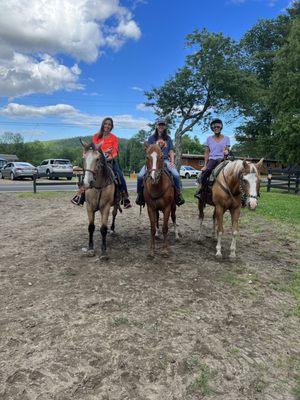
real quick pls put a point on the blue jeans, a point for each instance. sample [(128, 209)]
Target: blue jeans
[(174, 172), (117, 171)]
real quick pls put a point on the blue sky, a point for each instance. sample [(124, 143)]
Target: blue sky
[(67, 64)]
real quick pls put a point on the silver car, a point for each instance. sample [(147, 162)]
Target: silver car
[(15, 170), (56, 168)]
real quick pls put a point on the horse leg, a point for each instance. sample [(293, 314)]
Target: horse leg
[(157, 224), (214, 224), (114, 214), (201, 216), (165, 231), (235, 214), (103, 230), (173, 216), (152, 218), (91, 228), (219, 216)]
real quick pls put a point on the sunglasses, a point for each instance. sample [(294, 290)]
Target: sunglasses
[(216, 127)]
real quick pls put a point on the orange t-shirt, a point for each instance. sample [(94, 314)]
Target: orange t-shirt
[(109, 142)]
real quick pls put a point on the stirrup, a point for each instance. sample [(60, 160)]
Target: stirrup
[(127, 203)]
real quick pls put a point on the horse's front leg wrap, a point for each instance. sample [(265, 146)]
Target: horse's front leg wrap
[(91, 234), (103, 231)]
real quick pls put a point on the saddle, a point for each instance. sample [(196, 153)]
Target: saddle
[(206, 193)]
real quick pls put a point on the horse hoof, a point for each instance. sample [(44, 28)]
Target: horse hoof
[(219, 256), (90, 253), (232, 256), (166, 255), (150, 256), (104, 257)]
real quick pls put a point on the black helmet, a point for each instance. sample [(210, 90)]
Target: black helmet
[(216, 121)]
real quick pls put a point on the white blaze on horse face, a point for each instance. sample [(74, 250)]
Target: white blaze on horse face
[(88, 176), (154, 164), (251, 178)]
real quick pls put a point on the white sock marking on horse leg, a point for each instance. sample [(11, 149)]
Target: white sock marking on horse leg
[(176, 231), (233, 245), (218, 247)]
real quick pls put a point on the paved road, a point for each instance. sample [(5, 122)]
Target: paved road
[(27, 186)]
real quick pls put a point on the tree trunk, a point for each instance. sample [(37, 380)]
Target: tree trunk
[(178, 148)]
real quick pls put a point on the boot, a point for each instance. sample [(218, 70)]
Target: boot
[(140, 201), (198, 193), (126, 201), (179, 200)]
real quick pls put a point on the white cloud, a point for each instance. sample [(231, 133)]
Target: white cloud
[(19, 110), (270, 3), (24, 75), (143, 107), (78, 29), (138, 89), (69, 114)]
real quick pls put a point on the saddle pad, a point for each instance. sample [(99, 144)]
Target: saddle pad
[(217, 170)]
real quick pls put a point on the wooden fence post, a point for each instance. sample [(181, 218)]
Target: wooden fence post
[(34, 183), (269, 180)]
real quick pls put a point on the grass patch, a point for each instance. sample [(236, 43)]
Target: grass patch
[(41, 195), (202, 382), (245, 283), (279, 205), (118, 321), (275, 205), (296, 388)]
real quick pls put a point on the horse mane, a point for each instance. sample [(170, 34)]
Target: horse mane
[(236, 167)]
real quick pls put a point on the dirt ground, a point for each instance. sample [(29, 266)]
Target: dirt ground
[(184, 328)]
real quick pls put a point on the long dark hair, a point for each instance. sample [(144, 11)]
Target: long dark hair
[(164, 135), (101, 131)]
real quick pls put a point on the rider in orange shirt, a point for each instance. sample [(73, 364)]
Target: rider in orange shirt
[(109, 145)]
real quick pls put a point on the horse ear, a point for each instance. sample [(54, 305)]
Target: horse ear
[(259, 164), (245, 164), (146, 145), (83, 143)]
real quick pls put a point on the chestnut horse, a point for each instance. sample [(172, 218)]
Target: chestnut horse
[(236, 180), (159, 195), (99, 186)]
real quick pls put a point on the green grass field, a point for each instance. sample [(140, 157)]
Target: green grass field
[(275, 205)]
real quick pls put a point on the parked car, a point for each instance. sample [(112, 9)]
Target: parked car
[(56, 168), (15, 170), (189, 172)]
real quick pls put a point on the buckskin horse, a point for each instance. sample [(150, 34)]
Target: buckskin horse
[(99, 186), (238, 179), (159, 195)]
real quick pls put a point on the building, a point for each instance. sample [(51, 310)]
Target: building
[(5, 158), (197, 161)]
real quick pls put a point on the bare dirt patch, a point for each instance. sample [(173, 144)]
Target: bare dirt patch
[(184, 328)]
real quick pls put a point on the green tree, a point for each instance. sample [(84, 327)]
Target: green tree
[(285, 97), (213, 78), (268, 55), (192, 145)]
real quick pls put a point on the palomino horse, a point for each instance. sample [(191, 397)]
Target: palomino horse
[(236, 180), (159, 195), (99, 194)]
